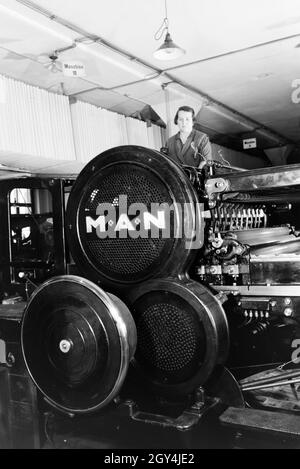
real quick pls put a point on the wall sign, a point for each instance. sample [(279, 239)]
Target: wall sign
[(73, 69), (249, 143)]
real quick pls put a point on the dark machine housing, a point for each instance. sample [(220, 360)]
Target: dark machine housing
[(179, 325)]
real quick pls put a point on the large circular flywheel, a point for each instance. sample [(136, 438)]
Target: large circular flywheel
[(77, 342), (132, 216), (182, 335)]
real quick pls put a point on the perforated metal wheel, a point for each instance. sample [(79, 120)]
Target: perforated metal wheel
[(109, 218), (77, 342), (182, 334)]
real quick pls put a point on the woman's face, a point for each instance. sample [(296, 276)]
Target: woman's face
[(185, 121)]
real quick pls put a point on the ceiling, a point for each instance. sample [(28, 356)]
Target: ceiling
[(239, 72)]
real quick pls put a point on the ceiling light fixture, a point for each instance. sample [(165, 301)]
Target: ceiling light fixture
[(168, 50), (53, 65)]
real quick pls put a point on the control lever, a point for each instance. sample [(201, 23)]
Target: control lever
[(23, 275)]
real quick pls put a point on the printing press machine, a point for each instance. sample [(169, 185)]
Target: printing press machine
[(160, 310)]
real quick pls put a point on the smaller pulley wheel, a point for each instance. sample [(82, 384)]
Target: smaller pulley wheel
[(182, 335), (77, 342)]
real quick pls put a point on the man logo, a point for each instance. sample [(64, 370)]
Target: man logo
[(144, 222), (134, 221)]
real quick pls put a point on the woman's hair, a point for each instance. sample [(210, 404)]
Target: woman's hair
[(186, 109)]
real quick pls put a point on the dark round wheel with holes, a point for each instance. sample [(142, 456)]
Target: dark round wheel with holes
[(77, 342), (182, 335), (132, 216)]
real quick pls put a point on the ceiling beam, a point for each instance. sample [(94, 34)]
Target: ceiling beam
[(257, 126), (232, 52)]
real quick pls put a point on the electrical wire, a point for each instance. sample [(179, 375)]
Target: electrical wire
[(164, 25), (281, 367), (223, 159)]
